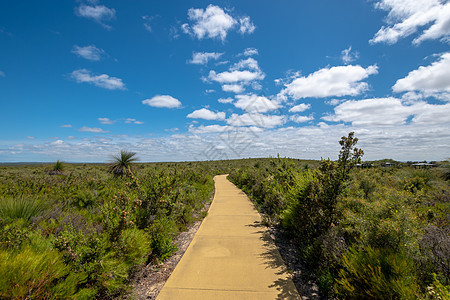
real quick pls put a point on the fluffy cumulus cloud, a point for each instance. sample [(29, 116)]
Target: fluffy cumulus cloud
[(202, 58), (88, 52), (256, 119), (102, 80), (206, 114), (235, 76), (388, 112), (300, 107), (432, 80), (327, 82), (255, 104), (244, 72), (98, 13), (92, 129), (214, 22), (162, 101), (235, 88), (429, 18)]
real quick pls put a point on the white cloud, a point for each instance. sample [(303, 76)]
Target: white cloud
[(66, 126), (235, 76), (256, 119), (250, 52), (300, 108), (235, 88), (244, 72), (431, 18), (92, 129), (30, 137), (334, 102), (246, 26), (432, 79), (106, 121), (225, 100), (2, 74), (163, 101), (348, 56), (335, 81), (377, 111), (98, 13), (255, 104), (89, 52), (206, 114), (209, 129), (301, 119), (249, 63), (202, 58), (388, 112), (103, 80), (214, 22), (432, 114), (133, 121)]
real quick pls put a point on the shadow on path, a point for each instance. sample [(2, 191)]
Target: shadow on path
[(272, 259)]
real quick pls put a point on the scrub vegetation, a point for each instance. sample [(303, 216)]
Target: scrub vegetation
[(80, 230), (364, 233)]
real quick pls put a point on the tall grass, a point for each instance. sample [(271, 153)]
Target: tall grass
[(20, 208)]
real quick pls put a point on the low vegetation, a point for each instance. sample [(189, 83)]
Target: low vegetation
[(80, 233), (366, 232)]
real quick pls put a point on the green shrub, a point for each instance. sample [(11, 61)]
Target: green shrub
[(35, 275), (372, 273), (162, 233), (13, 235), (20, 208), (133, 247)]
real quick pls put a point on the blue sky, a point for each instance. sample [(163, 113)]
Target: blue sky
[(201, 80)]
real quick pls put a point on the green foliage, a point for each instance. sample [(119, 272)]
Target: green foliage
[(313, 209), (437, 291), (372, 273), (394, 220), (58, 166), (95, 225), (42, 275), (13, 235), (121, 164), (22, 207), (162, 233)]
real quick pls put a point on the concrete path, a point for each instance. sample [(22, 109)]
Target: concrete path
[(231, 257)]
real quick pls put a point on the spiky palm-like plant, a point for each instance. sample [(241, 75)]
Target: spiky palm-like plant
[(121, 164), (57, 169)]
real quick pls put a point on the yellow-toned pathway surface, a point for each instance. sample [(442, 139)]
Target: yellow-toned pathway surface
[(232, 255)]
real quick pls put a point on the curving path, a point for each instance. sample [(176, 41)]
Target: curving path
[(232, 256)]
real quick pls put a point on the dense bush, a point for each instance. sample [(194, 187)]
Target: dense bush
[(82, 233), (364, 233)]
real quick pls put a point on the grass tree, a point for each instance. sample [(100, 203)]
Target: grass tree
[(121, 164), (57, 169)]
